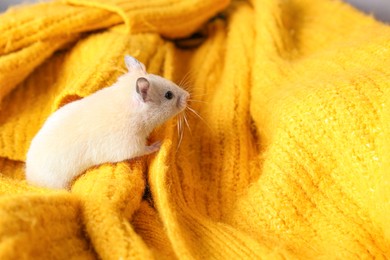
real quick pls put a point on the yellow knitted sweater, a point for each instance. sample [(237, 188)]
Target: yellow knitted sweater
[(291, 159)]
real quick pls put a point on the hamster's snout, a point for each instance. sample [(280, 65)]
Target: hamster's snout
[(182, 101)]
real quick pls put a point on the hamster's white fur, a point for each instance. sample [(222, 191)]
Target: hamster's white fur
[(110, 125)]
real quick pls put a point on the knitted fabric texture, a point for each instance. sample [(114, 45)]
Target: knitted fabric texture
[(291, 159)]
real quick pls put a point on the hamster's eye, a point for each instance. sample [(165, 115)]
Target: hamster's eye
[(169, 95)]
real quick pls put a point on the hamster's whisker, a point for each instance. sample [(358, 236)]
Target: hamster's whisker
[(188, 86), (194, 100), (186, 78), (186, 122), (194, 112), (198, 95), (184, 82), (197, 115), (180, 132), (178, 127), (185, 85), (198, 89)]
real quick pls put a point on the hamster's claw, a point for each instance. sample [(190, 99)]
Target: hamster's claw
[(154, 147)]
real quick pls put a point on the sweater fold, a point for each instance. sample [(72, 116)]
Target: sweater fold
[(286, 157)]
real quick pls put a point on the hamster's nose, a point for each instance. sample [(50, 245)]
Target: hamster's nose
[(186, 97), (183, 100)]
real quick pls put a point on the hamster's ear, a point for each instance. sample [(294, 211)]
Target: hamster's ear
[(133, 64), (143, 88)]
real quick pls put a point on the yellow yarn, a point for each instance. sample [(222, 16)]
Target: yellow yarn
[(292, 159)]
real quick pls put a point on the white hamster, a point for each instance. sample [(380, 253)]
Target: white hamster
[(110, 125)]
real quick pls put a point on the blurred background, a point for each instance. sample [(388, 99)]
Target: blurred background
[(379, 8)]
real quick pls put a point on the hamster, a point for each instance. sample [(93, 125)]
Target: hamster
[(110, 125)]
